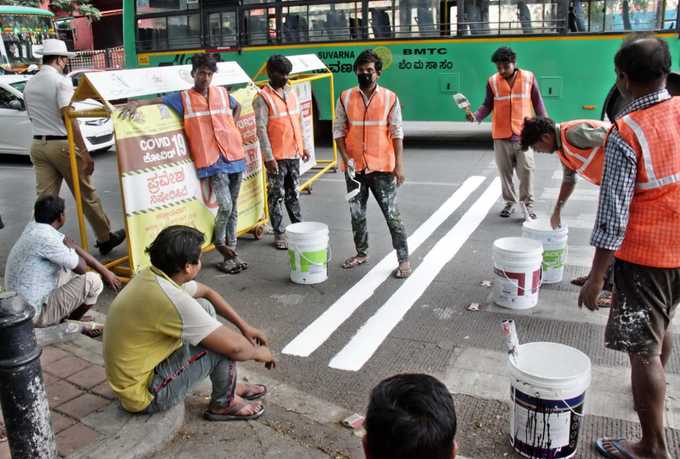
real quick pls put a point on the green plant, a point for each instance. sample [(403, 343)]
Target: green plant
[(70, 7)]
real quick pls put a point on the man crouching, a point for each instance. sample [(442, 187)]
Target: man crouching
[(164, 336)]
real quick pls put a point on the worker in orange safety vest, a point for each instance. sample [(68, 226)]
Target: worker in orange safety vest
[(637, 227)]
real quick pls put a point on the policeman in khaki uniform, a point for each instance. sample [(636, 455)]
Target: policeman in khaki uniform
[(368, 131)]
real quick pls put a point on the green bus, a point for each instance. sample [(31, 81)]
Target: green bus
[(23, 30), (431, 48)]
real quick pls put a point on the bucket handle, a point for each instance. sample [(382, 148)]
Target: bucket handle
[(580, 415), (329, 257)]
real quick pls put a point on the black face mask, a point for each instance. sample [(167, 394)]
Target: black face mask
[(278, 81), (365, 80)]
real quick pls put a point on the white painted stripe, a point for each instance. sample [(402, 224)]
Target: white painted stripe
[(371, 335), (407, 182), (323, 327)]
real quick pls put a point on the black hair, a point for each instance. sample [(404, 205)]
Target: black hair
[(174, 247), (47, 60), (279, 63), (48, 209), (534, 128), (503, 55), (366, 57), (204, 60), (408, 416), (643, 58)]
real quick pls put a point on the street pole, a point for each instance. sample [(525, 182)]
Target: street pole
[(22, 393)]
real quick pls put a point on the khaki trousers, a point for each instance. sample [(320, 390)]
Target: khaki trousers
[(509, 158), (52, 165), (74, 290)]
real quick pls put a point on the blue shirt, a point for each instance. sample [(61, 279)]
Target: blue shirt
[(36, 262), (223, 166)]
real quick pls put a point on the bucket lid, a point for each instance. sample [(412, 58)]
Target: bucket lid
[(550, 362), (306, 228), (542, 225), (519, 245)]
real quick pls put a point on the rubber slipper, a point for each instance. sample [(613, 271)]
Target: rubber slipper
[(228, 267), (579, 281), (254, 395), (241, 264), (281, 244), (210, 416), (621, 452), (401, 273), (605, 300), (353, 262), (507, 211)]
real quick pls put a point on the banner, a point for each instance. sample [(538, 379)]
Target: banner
[(159, 182), (304, 94)]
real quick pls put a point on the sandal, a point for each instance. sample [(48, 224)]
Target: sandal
[(253, 391), (605, 300), (280, 243), (401, 273), (507, 210), (231, 412), (615, 450), (229, 266), (353, 262), (241, 264), (580, 281)]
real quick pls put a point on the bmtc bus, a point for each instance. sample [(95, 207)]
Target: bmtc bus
[(431, 49), (23, 30)]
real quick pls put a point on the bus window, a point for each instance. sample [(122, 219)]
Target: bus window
[(152, 34), (381, 16), (417, 18), (670, 15), (259, 26), (321, 22), (184, 31), (163, 6), (221, 29)]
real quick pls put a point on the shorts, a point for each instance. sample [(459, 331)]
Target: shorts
[(644, 302)]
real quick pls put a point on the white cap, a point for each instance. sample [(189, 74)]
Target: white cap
[(54, 47)]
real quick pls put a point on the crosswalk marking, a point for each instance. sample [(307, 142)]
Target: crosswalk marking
[(323, 327), (371, 335)]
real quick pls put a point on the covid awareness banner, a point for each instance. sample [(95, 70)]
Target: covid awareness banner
[(159, 182)]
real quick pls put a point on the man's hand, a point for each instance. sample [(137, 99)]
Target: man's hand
[(70, 243), (129, 110), (264, 355), (255, 336), (272, 166), (305, 156), (112, 280), (399, 174), (88, 165), (556, 219), (590, 292), (470, 117)]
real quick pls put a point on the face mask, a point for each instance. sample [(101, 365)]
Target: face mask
[(278, 81), (365, 80)]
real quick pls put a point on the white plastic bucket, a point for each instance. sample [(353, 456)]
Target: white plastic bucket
[(517, 270), (548, 389), (554, 247), (308, 252)]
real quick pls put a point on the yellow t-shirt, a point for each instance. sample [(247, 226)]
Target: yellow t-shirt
[(148, 321)]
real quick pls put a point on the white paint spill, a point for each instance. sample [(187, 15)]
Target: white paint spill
[(371, 335), (443, 313), (292, 299), (323, 327)]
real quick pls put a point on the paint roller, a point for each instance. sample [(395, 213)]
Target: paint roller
[(353, 184), (463, 103)]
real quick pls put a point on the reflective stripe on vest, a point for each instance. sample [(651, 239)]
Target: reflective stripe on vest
[(284, 127), (368, 140), (588, 162), (651, 235), (209, 127), (510, 104)]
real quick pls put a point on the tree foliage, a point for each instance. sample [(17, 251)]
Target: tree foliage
[(70, 7)]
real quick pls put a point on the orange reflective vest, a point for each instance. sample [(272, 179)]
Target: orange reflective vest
[(510, 105), (588, 162), (209, 127), (368, 140), (284, 125), (651, 237)]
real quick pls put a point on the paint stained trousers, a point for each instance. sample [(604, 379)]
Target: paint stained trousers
[(510, 158)]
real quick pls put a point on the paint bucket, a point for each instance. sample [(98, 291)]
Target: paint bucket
[(548, 389), (554, 247), (308, 252), (517, 270)]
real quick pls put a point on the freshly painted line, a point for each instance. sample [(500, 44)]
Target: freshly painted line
[(371, 335), (405, 183), (323, 327)]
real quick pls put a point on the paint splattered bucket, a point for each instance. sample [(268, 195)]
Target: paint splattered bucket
[(548, 389), (308, 252), (517, 272), (554, 247)]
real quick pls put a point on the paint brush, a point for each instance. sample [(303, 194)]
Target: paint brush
[(353, 184), (462, 102)]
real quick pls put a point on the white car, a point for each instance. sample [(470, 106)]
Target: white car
[(15, 127)]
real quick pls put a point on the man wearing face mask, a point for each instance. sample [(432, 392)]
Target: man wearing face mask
[(511, 94), (279, 130), (368, 131), (47, 96)]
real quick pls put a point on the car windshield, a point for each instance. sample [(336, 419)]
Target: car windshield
[(19, 86)]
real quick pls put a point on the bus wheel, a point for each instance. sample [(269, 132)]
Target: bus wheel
[(258, 232)]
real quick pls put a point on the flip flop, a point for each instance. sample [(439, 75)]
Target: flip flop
[(605, 300), (229, 266), (281, 244), (579, 281), (241, 264), (354, 261), (254, 395), (401, 273), (210, 416), (621, 452)]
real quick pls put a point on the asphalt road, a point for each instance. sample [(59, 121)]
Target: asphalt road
[(437, 334)]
